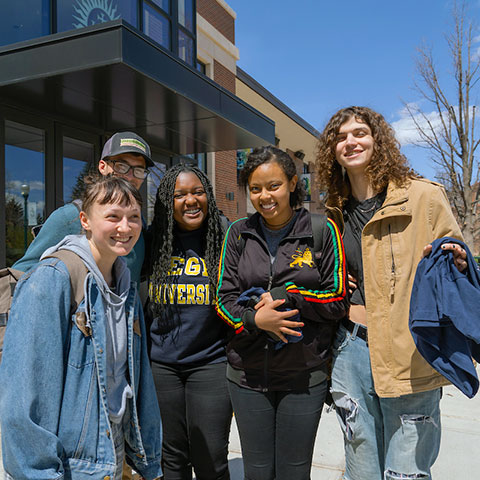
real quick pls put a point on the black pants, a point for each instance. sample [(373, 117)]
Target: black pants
[(277, 431), (196, 415)]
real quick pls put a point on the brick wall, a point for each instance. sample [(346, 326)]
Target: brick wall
[(226, 162), (223, 76), (215, 14), (226, 182)]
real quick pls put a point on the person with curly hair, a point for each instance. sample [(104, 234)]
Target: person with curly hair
[(386, 395), (282, 290), (187, 338)]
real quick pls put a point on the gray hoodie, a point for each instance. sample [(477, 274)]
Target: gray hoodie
[(118, 389)]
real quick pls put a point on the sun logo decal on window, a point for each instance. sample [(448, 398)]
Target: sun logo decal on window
[(91, 12)]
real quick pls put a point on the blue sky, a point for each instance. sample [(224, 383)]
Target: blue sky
[(317, 56)]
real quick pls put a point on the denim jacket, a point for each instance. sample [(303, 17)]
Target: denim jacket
[(53, 399)]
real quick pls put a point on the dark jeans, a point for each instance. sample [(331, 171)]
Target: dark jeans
[(196, 416), (277, 431)]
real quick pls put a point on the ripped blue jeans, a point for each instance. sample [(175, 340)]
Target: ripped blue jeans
[(385, 438)]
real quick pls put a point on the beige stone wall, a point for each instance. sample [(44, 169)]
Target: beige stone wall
[(293, 137)]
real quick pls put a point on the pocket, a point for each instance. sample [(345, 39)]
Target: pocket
[(81, 352), (342, 338)]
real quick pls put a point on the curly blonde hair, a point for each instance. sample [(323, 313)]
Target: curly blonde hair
[(387, 163)]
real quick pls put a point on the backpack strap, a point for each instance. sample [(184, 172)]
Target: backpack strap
[(78, 203), (77, 271), (225, 223), (319, 223)]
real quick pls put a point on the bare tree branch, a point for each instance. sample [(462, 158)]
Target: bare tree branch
[(446, 120)]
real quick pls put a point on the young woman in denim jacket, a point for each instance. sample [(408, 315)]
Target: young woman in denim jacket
[(386, 395), (187, 338), (77, 390)]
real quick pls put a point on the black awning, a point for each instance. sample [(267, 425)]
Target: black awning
[(113, 77)]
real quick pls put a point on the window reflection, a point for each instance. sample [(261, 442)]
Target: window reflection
[(78, 158), (24, 186), (185, 14), (153, 180), (185, 47), (163, 4), (156, 26), (23, 20)]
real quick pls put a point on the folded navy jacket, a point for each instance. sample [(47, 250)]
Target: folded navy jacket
[(254, 293), (445, 315)]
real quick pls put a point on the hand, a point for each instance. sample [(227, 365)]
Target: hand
[(271, 320), (265, 298), (352, 283), (459, 254)]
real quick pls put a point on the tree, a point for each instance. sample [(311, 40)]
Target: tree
[(449, 131)]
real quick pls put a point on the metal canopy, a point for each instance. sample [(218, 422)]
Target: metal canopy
[(113, 77)]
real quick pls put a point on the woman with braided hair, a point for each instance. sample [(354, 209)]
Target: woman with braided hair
[(187, 338)]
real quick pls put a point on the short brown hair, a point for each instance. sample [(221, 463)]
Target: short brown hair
[(108, 189)]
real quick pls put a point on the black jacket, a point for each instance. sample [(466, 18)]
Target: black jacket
[(315, 286)]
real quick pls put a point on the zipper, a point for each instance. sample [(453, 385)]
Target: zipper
[(393, 270)]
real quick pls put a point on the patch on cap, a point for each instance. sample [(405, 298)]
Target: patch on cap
[(133, 142)]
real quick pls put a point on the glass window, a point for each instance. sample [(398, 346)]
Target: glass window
[(156, 174), (78, 157), (163, 4), (197, 159), (201, 67), (185, 47), (24, 186), (73, 14), (22, 20), (156, 25), (185, 14)]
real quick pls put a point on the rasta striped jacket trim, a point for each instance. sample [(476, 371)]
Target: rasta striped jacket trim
[(323, 291)]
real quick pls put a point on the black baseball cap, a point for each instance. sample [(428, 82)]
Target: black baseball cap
[(127, 142)]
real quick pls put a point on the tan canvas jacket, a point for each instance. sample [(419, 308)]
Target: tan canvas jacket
[(392, 245)]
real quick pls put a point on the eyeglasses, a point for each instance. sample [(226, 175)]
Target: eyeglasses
[(123, 168)]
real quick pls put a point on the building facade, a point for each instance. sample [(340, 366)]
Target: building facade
[(73, 72), (292, 134)]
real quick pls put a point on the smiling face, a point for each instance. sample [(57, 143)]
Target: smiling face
[(354, 148), (190, 204), (270, 191), (112, 229)]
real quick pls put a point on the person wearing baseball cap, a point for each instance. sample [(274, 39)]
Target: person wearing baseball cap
[(126, 155)]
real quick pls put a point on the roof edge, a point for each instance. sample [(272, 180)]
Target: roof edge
[(263, 92)]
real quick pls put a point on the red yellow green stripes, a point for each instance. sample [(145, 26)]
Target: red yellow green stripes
[(222, 312), (338, 291)]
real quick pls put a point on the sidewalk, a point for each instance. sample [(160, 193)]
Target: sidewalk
[(459, 451)]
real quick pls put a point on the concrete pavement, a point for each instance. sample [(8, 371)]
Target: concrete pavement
[(459, 456)]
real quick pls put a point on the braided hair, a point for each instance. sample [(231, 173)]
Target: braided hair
[(163, 231)]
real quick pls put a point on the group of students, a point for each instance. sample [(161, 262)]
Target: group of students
[(84, 388)]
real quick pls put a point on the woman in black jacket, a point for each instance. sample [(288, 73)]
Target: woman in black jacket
[(283, 294), (187, 337)]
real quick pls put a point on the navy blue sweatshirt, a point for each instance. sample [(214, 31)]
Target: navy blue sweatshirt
[(444, 317), (189, 331)]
